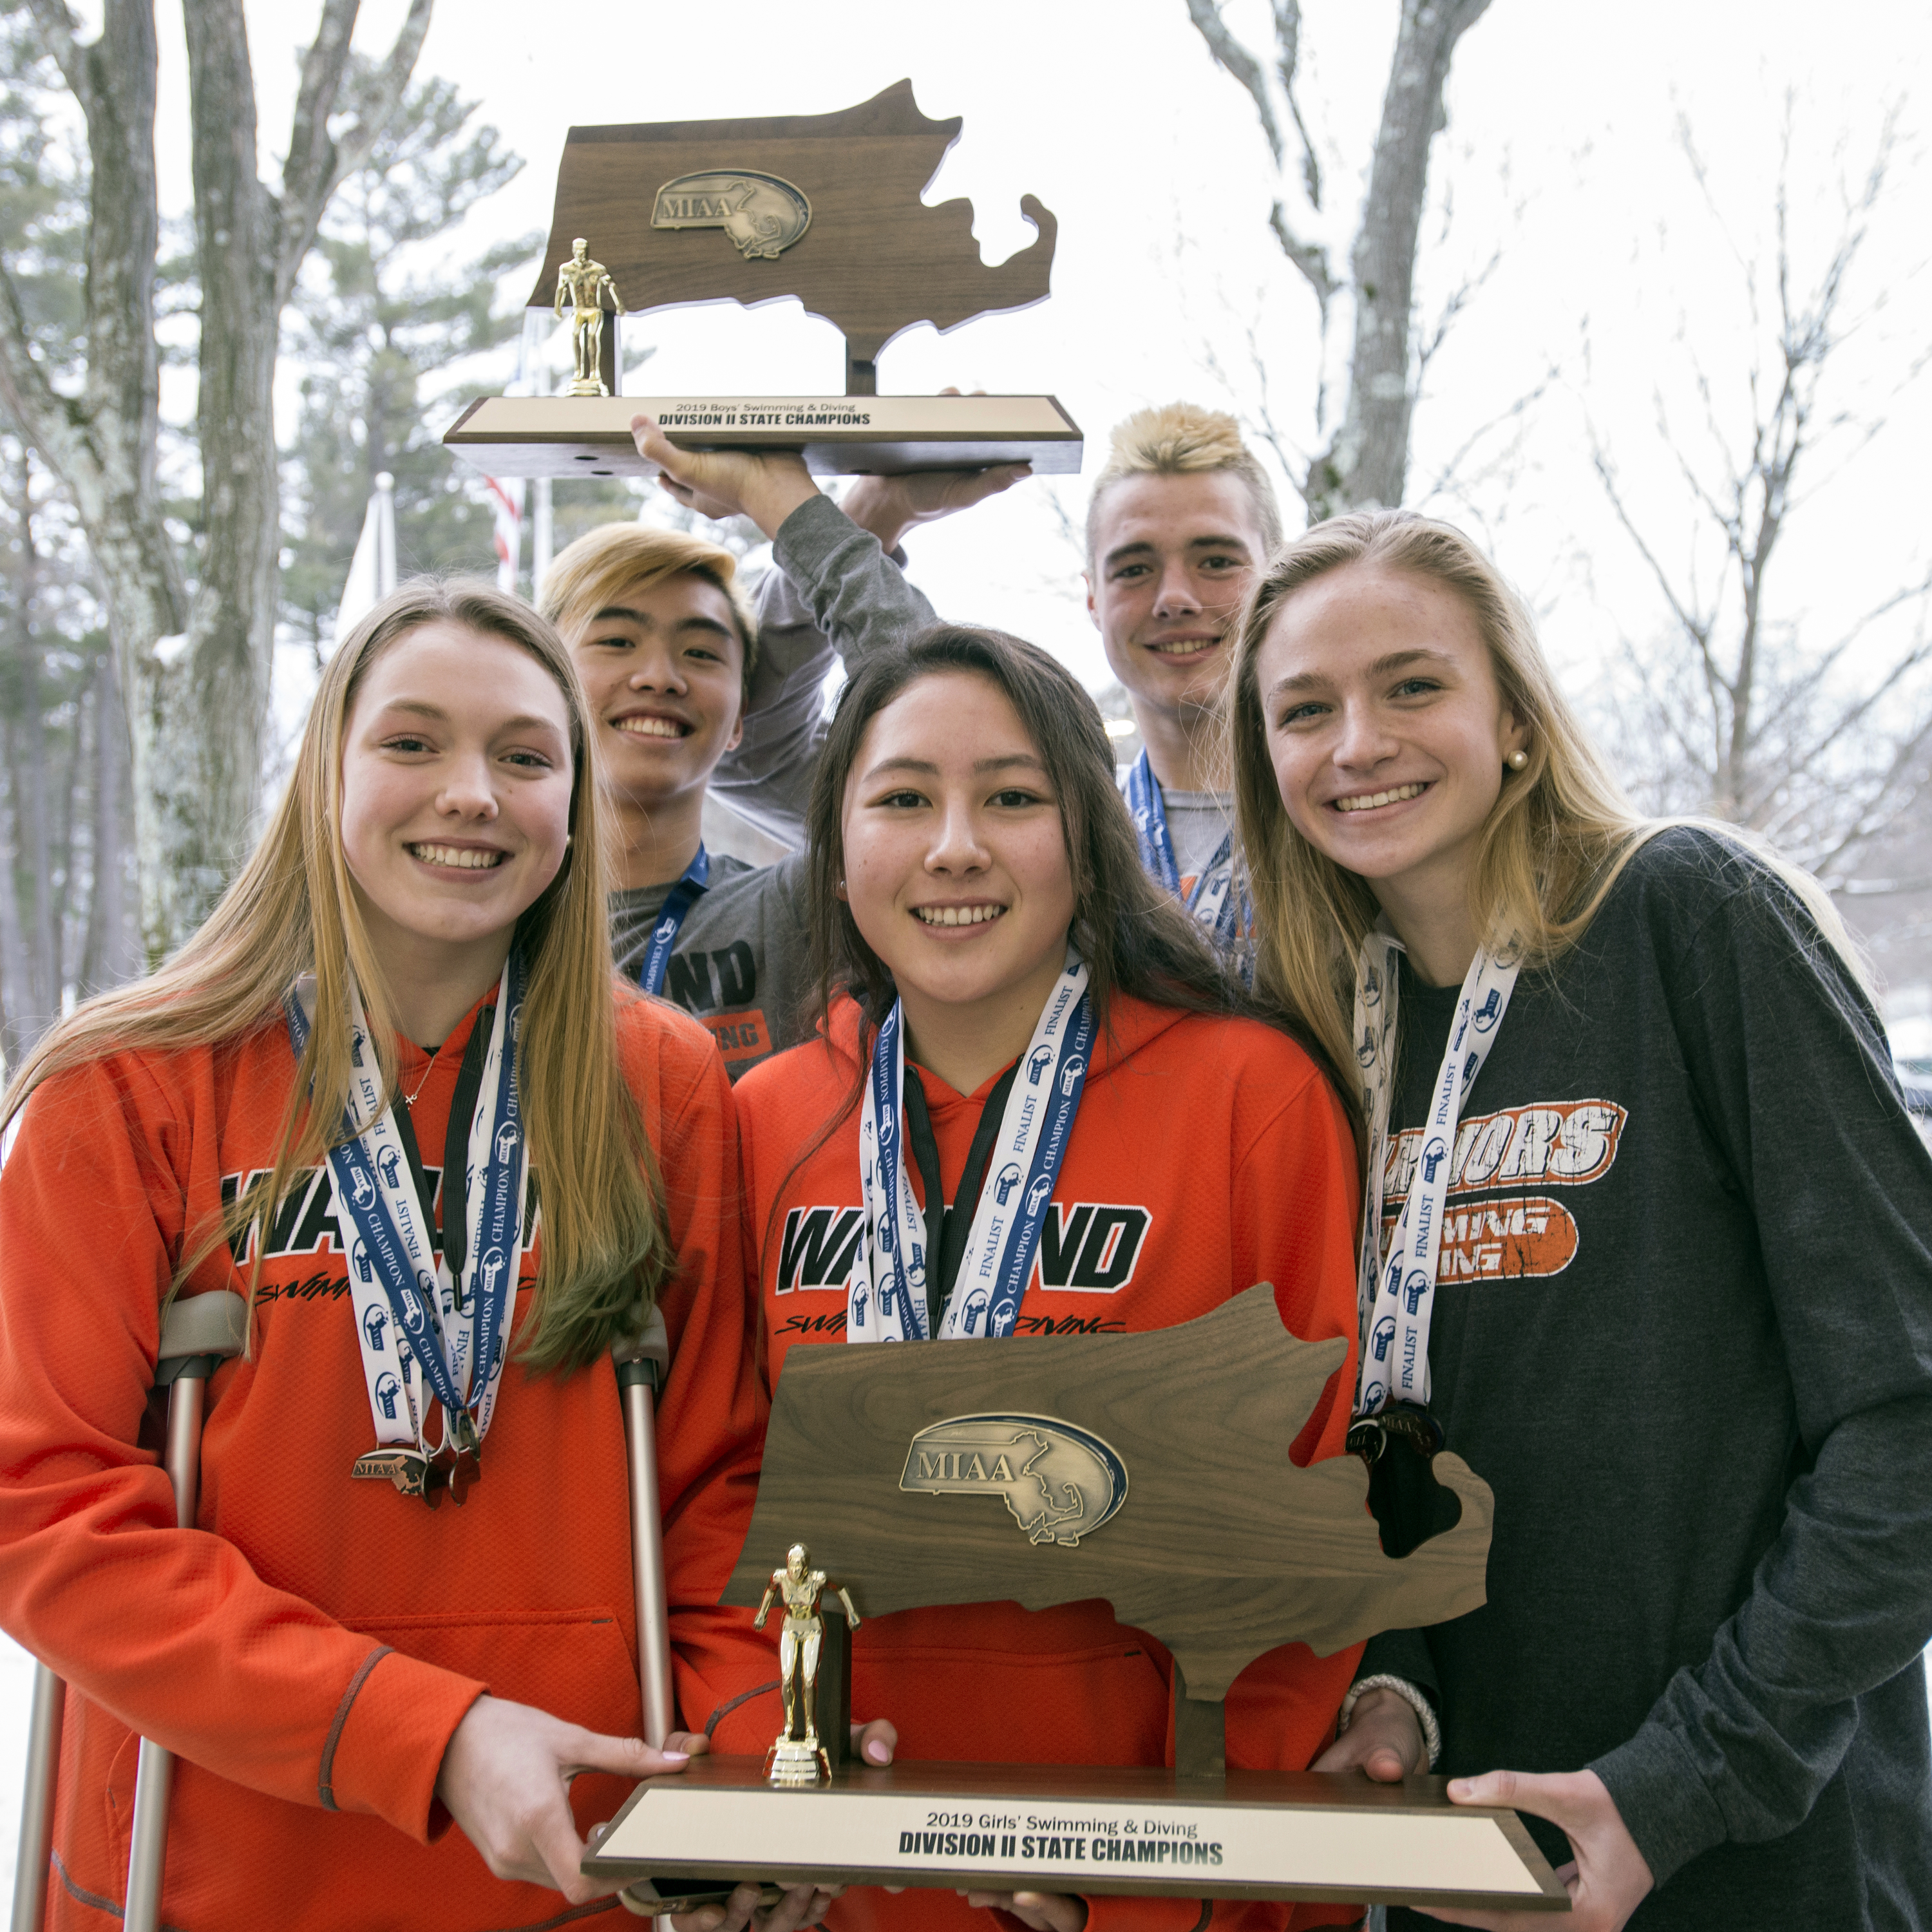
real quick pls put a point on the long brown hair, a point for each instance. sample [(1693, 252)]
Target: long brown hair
[(1556, 841), (292, 909)]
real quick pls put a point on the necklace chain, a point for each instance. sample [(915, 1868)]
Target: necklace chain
[(409, 1099)]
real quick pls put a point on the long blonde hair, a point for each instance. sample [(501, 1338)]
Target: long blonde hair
[(1557, 839), (292, 909)]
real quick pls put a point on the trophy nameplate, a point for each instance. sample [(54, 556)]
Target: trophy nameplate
[(823, 207), (1151, 1469), (1082, 1828), (590, 436)]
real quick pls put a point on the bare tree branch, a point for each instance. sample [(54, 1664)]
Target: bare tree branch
[(330, 163), (1465, 291), (1310, 257), (1233, 58), (54, 22), (1825, 769), (1696, 628), (311, 155), (1511, 412), (1287, 63), (45, 417)]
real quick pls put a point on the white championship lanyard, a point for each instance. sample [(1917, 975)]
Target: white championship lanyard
[(885, 1301), (1396, 1293), (399, 1403)]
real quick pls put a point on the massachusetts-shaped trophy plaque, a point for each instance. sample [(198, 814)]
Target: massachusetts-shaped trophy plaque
[(1152, 1470), (823, 207)]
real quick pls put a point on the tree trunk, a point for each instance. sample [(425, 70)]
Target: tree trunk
[(111, 952), (196, 686), (1368, 461), (18, 1029), (231, 626)]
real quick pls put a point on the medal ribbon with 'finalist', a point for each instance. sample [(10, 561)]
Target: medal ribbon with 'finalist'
[(678, 902), (403, 1290), (1215, 901), (1397, 1292), (886, 1300)]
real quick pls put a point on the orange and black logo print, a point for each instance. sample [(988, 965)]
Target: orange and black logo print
[(1507, 1158)]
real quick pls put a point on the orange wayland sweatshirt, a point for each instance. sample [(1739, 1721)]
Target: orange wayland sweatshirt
[(1207, 1155), (309, 1645)]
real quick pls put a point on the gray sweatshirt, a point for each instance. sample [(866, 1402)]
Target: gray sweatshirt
[(1683, 1328), (742, 962), (835, 596)]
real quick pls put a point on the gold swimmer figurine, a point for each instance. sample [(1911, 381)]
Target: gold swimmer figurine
[(584, 282), (798, 1758)]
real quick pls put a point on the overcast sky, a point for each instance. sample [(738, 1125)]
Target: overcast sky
[(1560, 153)]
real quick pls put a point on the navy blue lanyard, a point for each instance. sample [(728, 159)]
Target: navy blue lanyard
[(678, 902), (1149, 813)]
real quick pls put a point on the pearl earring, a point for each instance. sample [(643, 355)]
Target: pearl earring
[(1517, 759)]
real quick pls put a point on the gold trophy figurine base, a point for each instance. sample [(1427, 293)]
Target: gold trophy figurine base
[(797, 1762)]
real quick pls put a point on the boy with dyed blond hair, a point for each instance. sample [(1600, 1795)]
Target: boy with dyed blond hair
[(1181, 520)]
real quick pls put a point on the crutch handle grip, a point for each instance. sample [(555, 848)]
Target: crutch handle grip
[(198, 1333), (647, 1353)]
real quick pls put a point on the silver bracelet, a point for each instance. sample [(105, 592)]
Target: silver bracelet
[(1425, 1714)]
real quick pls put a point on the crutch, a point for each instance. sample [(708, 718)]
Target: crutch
[(641, 1360), (197, 1334)]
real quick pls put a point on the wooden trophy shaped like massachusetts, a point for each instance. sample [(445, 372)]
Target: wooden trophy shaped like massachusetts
[(822, 207), (1153, 1470)]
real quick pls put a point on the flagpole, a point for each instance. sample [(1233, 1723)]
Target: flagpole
[(542, 541), (385, 534)]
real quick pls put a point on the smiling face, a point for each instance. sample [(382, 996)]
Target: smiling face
[(1387, 729), (456, 789), (1174, 556), (663, 667), (955, 862)]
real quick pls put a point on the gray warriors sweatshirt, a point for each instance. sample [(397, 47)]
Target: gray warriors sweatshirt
[(1684, 1327)]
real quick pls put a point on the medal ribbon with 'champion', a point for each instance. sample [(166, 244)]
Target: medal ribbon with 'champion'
[(402, 1290), (1215, 901), (678, 902), (886, 1301), (1396, 1293)]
